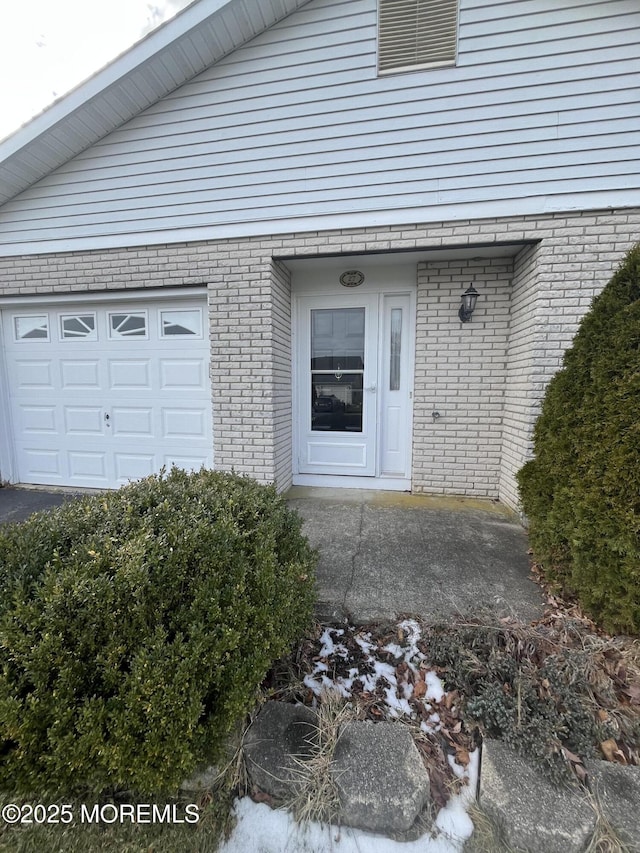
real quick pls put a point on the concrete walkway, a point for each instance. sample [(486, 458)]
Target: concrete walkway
[(388, 553)]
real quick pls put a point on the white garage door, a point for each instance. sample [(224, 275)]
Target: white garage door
[(103, 393)]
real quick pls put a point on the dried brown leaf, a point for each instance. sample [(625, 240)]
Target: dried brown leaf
[(419, 689), (462, 755), (611, 751), (450, 699)]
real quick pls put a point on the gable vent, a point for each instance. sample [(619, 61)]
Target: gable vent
[(416, 33)]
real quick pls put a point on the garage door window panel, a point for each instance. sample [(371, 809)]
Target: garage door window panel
[(78, 327), (31, 327), (127, 326), (181, 324)]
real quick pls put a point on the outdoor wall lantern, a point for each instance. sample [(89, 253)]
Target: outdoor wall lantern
[(468, 304)]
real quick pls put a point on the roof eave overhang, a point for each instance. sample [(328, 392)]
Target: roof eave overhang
[(198, 37)]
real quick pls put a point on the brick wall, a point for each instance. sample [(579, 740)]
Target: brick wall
[(521, 399), (282, 390), (460, 373), (532, 322)]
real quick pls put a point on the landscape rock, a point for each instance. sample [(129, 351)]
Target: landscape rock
[(279, 734), (534, 814), (201, 780), (382, 782), (617, 790)]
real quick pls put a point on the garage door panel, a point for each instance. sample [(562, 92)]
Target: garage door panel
[(84, 420), (182, 374), (183, 423), (132, 466), (31, 374), (84, 465), (189, 463), (129, 374), (80, 373), (38, 419), (43, 462), (132, 422)]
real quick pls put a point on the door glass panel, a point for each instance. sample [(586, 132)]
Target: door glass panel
[(337, 339), (337, 369), (336, 402), (395, 349)]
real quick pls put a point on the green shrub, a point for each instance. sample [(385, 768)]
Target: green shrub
[(581, 492), (137, 625)]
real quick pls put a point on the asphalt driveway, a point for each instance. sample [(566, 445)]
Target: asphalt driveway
[(18, 504)]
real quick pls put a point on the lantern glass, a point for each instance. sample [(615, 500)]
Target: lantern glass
[(468, 303)]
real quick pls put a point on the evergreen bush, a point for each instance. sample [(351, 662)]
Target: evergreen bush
[(137, 625), (581, 492)]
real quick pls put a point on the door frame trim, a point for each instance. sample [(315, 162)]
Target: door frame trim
[(380, 281), (8, 461)]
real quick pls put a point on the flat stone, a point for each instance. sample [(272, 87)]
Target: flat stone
[(381, 779), (617, 789), (533, 813), (279, 734)]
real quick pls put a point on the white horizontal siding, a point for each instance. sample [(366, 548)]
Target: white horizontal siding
[(294, 130)]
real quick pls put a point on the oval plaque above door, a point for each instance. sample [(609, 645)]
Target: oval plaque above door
[(351, 278)]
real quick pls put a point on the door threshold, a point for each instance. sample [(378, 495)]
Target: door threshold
[(337, 481)]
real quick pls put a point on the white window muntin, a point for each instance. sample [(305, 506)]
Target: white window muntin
[(128, 325), (81, 326)]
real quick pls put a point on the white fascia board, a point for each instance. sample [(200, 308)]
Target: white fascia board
[(500, 209)]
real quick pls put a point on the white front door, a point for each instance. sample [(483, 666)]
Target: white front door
[(354, 385)]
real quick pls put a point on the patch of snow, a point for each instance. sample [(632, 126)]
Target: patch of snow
[(326, 683), (260, 829), (453, 820), (328, 645), (396, 696), (435, 690), (363, 640), (458, 769), (432, 725), (396, 650), (413, 631)]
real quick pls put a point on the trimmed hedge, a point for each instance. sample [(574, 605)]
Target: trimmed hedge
[(137, 625), (581, 492)]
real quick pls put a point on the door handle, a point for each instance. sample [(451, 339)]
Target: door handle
[(372, 388)]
